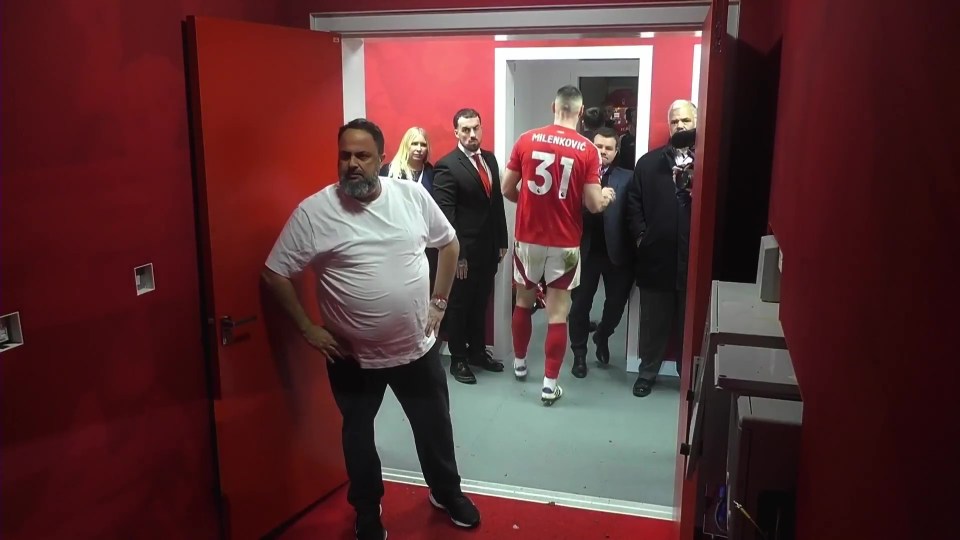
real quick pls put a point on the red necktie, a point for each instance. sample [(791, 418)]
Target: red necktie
[(484, 178)]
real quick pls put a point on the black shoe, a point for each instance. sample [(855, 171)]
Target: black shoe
[(603, 349), (642, 387), (461, 372), (369, 527), (462, 511), (486, 361), (579, 369)]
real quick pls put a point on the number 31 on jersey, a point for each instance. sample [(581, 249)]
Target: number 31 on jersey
[(547, 159)]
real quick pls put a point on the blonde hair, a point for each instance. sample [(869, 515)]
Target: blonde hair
[(400, 165)]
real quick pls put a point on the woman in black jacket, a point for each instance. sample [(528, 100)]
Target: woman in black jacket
[(411, 161)]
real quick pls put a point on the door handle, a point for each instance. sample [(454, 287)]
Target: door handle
[(227, 324)]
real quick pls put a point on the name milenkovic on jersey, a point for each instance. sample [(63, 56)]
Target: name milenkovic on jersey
[(567, 142)]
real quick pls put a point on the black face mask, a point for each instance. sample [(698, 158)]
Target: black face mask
[(684, 139)]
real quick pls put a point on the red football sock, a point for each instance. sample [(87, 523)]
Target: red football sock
[(555, 348), (522, 327)]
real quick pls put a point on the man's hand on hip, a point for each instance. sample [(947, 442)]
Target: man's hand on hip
[(434, 316), (322, 340)]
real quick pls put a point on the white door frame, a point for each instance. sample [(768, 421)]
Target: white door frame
[(695, 87), (667, 16), (503, 123)]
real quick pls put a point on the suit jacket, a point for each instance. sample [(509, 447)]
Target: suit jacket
[(426, 177), (478, 218), (659, 214), (614, 217)]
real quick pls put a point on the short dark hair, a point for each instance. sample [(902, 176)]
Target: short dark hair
[(568, 100), (592, 118), (465, 113), (365, 125), (608, 133), (569, 92)]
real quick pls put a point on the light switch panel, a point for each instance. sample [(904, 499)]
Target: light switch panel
[(11, 336), (143, 278)]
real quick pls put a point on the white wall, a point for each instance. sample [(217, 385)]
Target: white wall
[(354, 80), (537, 81)]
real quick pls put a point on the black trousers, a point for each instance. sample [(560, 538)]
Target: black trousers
[(465, 322), (617, 284), (421, 389), (660, 312)]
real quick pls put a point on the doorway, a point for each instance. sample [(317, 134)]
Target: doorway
[(602, 448), (526, 77)]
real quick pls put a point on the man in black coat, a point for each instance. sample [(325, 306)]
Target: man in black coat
[(658, 216), (466, 186), (605, 251)]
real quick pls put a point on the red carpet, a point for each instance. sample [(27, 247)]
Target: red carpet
[(408, 516)]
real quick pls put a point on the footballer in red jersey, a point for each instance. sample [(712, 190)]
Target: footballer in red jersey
[(553, 172)]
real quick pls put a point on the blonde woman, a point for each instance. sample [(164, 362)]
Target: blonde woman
[(410, 162)]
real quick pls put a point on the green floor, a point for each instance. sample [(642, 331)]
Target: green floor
[(598, 441)]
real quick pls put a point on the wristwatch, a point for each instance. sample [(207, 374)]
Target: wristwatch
[(439, 302)]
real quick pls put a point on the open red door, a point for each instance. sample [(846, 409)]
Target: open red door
[(266, 103), (707, 174)]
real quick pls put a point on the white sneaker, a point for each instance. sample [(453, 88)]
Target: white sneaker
[(548, 397), (520, 372)]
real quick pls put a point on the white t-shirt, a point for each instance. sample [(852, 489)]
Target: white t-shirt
[(372, 275)]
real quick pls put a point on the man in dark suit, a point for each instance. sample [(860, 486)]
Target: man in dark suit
[(605, 251), (466, 185), (658, 217)]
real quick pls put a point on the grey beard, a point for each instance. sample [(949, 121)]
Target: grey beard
[(359, 189)]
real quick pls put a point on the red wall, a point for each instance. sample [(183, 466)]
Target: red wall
[(423, 82), (672, 79), (864, 204), (105, 412)]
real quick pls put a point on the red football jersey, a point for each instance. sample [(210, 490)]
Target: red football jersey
[(555, 163)]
